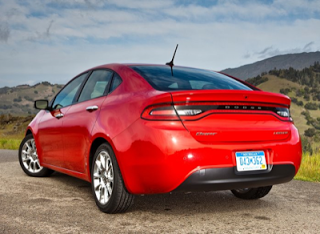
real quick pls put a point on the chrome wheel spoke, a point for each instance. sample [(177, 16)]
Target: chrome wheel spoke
[(96, 176), (103, 177), (25, 159), (97, 187), (29, 157), (103, 162), (109, 189), (98, 164), (100, 193), (38, 164), (110, 176), (106, 194)]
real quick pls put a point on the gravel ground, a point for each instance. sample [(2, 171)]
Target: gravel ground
[(62, 204)]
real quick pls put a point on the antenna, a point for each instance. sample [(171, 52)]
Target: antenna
[(171, 62), (174, 54)]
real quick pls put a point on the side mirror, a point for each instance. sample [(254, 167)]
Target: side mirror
[(41, 104)]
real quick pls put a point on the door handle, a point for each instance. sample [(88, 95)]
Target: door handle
[(92, 108), (59, 116)]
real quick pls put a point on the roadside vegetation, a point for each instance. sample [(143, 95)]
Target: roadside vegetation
[(13, 129), (310, 168), (302, 86)]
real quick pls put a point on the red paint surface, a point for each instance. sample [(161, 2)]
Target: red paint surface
[(157, 156)]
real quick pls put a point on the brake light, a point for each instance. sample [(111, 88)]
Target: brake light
[(189, 112), (160, 112), (194, 111)]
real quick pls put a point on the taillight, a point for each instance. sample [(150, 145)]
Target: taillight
[(197, 110), (283, 112), (163, 112)]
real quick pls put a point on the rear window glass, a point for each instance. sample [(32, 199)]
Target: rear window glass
[(182, 78)]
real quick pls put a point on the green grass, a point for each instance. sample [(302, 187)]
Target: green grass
[(310, 168), (12, 144)]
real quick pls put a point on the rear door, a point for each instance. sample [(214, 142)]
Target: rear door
[(80, 119)]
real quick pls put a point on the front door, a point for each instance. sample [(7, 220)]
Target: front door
[(50, 128)]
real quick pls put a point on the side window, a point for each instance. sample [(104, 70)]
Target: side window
[(115, 82), (67, 95), (96, 85)]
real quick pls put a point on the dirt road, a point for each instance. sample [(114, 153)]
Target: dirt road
[(62, 204)]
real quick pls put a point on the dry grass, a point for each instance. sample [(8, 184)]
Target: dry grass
[(310, 168), (12, 144)]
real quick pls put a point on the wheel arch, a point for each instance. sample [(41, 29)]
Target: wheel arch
[(94, 146), (28, 132)]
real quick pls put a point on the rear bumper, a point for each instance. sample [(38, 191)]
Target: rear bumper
[(158, 157), (226, 179)]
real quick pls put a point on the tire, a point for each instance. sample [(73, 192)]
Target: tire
[(251, 193), (28, 158), (107, 184)]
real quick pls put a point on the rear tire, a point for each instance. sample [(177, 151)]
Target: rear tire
[(251, 193), (107, 184), (28, 158)]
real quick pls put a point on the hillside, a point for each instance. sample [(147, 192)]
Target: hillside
[(296, 61), (303, 87), (19, 100)]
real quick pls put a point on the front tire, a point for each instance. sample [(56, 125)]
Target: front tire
[(107, 184), (252, 193), (28, 158)]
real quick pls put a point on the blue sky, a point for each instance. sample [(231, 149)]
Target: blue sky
[(53, 40)]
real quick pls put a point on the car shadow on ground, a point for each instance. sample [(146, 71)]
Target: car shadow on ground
[(175, 203)]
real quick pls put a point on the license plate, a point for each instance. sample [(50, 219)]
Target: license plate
[(251, 161)]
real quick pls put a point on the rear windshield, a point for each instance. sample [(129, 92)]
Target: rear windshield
[(182, 78)]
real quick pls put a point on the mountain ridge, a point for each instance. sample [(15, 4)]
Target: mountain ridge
[(297, 61)]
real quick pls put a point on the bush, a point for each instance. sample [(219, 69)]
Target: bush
[(306, 97), (17, 99), (28, 98), (310, 132), (5, 107), (306, 146), (311, 106), (285, 91), (257, 80), (300, 103)]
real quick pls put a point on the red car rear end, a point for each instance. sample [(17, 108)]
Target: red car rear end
[(166, 129)]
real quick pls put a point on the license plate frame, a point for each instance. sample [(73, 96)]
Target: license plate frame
[(251, 161)]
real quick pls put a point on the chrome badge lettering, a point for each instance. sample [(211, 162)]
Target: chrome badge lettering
[(206, 133), (280, 133)]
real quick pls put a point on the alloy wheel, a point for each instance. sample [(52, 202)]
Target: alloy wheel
[(103, 177), (29, 156)]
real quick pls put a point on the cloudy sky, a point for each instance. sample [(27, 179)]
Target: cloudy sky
[(53, 40)]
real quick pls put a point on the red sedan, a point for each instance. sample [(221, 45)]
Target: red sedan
[(145, 129)]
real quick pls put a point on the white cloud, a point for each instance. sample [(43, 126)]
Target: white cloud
[(58, 39)]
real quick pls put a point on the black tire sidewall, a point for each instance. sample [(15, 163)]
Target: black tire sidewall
[(253, 193)]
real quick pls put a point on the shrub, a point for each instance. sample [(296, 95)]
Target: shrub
[(17, 99), (311, 106), (310, 132)]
